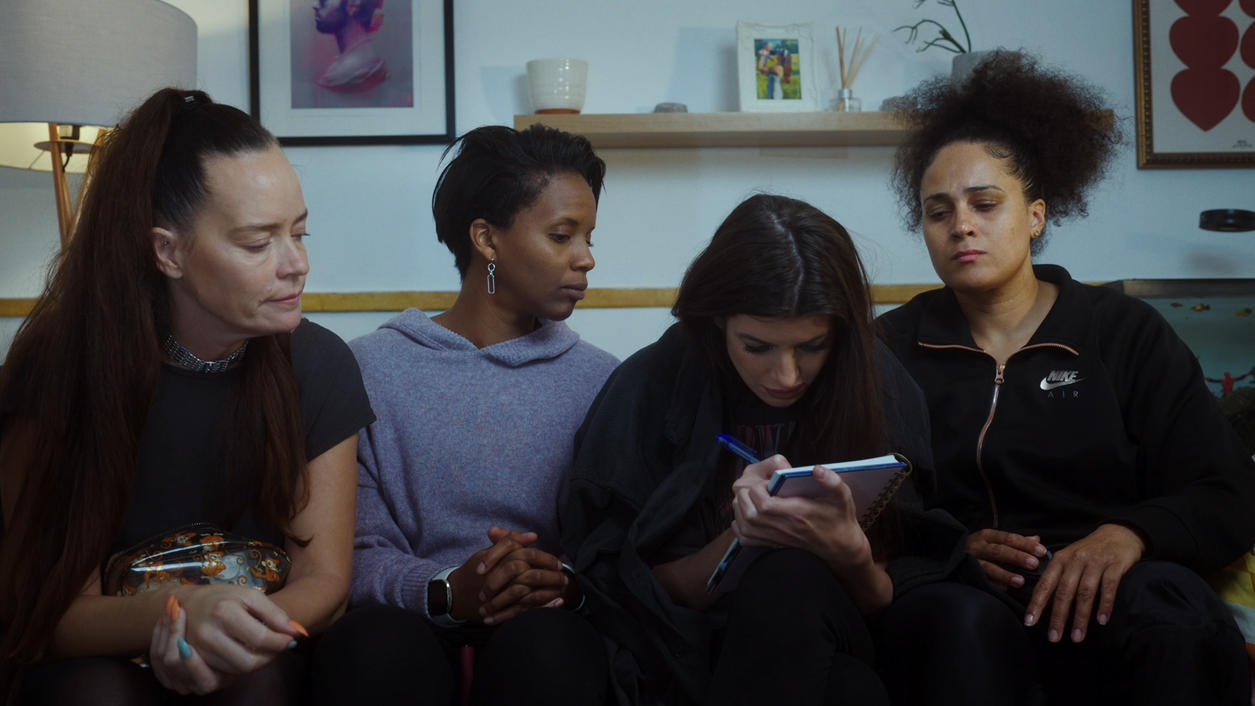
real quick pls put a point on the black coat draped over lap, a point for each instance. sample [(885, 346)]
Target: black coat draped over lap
[(645, 456)]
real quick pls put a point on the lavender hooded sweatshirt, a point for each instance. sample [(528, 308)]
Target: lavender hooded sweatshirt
[(466, 439)]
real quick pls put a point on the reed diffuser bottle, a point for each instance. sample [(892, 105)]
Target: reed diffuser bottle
[(845, 102)]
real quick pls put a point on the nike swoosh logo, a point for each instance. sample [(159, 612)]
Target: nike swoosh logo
[(1052, 385)]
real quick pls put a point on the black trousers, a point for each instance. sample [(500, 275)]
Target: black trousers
[(1170, 640), (794, 637), (381, 654), (110, 681)]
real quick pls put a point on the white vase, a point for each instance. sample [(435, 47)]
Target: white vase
[(557, 85), (963, 64)]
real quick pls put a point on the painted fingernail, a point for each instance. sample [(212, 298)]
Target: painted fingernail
[(170, 607), (1032, 562), (185, 650), (1054, 635), (174, 608), (1102, 619), (1077, 635), (299, 628), (292, 645)]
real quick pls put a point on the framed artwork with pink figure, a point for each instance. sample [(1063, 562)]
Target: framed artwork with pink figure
[(353, 72), (1195, 68)]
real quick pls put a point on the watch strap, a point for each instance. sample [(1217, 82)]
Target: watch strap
[(446, 618), (583, 597)]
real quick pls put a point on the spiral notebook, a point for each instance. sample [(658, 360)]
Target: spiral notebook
[(872, 482)]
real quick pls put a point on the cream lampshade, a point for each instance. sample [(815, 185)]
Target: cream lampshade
[(68, 67)]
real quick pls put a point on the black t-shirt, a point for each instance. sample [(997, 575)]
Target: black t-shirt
[(764, 428), (180, 472)]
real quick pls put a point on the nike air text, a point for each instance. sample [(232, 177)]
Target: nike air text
[(1059, 378)]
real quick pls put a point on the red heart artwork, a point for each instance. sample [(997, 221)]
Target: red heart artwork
[(1248, 45), (1205, 8), (1204, 42), (1248, 101), (1206, 96)]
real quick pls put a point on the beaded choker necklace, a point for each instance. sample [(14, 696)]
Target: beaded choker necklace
[(187, 359)]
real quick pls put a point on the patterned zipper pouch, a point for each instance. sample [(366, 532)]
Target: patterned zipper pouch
[(196, 554)]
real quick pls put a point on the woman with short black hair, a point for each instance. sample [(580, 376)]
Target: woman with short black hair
[(1073, 432), (462, 476), (166, 378)]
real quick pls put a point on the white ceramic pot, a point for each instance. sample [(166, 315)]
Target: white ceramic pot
[(557, 85), (962, 65)]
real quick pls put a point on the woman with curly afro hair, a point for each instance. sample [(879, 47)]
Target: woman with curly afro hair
[(1073, 433)]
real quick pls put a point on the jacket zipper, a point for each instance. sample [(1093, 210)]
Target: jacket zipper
[(980, 441), (999, 378)]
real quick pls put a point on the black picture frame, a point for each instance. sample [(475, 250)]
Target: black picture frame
[(439, 119)]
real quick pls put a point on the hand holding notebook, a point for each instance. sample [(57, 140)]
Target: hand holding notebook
[(869, 482)]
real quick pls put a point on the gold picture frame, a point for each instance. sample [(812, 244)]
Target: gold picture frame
[(1209, 136)]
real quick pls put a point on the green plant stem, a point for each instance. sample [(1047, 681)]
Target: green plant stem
[(962, 24), (934, 43), (945, 35)]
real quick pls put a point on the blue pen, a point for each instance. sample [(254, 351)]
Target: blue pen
[(732, 444)]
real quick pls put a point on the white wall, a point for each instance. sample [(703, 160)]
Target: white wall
[(369, 205)]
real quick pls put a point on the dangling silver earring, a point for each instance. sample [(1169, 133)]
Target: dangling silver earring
[(492, 279)]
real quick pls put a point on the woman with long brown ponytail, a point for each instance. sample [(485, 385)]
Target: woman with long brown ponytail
[(164, 378)]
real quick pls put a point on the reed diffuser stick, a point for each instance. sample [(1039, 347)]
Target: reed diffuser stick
[(841, 53), (858, 56)]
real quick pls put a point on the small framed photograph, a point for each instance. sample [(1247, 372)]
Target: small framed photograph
[(1195, 83), (352, 72), (776, 68)]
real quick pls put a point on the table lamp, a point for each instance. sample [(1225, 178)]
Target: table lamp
[(69, 67)]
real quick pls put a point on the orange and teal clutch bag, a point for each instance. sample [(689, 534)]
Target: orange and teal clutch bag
[(196, 554)]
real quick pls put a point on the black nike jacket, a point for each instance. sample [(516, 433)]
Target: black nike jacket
[(1103, 416)]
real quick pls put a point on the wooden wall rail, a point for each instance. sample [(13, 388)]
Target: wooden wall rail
[(605, 298)]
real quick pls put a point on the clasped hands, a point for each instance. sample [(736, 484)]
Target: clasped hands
[(509, 577), (827, 527), (1086, 570)]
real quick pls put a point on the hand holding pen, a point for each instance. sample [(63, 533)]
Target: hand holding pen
[(735, 446)]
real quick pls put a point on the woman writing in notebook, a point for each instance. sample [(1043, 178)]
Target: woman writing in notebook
[(775, 345)]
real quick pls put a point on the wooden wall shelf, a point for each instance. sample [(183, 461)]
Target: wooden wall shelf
[(637, 130)]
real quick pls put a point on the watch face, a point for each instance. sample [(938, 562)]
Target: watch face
[(437, 598)]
